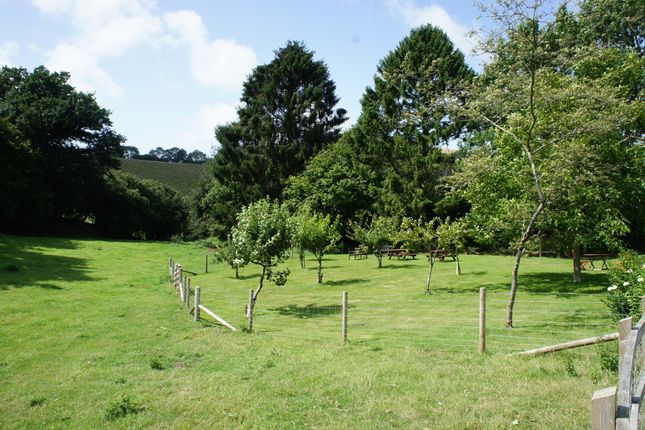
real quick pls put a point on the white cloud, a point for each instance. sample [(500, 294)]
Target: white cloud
[(54, 7), (86, 74), (102, 28), (7, 50), (436, 15), (201, 129), (220, 62)]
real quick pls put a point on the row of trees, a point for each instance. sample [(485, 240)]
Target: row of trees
[(172, 155), (550, 136), (266, 232), (58, 161)]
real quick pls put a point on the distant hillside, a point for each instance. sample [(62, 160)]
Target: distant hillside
[(181, 176)]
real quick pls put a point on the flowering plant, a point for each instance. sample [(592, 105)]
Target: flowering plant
[(627, 279)]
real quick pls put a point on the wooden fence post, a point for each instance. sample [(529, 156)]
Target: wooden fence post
[(206, 263), (171, 266), (249, 312), (344, 318), (603, 409), (198, 293), (482, 320)]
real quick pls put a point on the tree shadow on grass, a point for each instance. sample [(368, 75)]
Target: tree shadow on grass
[(342, 282), (399, 266), (311, 310), (556, 283), (245, 277), (23, 264)]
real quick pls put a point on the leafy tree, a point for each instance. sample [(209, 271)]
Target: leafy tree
[(335, 183), (261, 237), (287, 116), (315, 233), (140, 208), (451, 236), (196, 157), (130, 151), (228, 253), (71, 146), (377, 235), (422, 236), (614, 23), (545, 123), (405, 120)]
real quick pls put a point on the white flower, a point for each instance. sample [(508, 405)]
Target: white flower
[(640, 279), (515, 422), (625, 284), (630, 271), (612, 288)]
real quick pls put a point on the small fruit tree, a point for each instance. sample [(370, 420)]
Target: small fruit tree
[(380, 233), (317, 234), (261, 237)]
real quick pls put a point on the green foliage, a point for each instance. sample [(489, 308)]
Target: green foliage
[(380, 233), (405, 120), (57, 143), (560, 135), (262, 237), (228, 253), (131, 207), (627, 286), (608, 357), (123, 407), (451, 235), (287, 116), (315, 233), (335, 183)]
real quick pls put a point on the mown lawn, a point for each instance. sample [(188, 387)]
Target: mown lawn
[(93, 336)]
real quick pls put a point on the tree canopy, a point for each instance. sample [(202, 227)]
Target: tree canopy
[(287, 115), (64, 144)]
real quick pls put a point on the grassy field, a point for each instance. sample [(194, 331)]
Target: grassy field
[(182, 177), (93, 336)]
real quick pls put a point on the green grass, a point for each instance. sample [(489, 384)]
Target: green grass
[(182, 177), (93, 336)]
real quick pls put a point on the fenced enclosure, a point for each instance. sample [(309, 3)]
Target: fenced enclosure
[(450, 320)]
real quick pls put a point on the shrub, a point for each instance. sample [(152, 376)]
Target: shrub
[(627, 286), (121, 408)]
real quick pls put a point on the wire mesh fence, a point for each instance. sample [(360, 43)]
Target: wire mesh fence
[(444, 320)]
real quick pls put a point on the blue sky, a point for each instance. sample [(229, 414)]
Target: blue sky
[(171, 70)]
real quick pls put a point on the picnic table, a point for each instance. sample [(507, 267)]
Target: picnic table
[(401, 253), (441, 254), (589, 259)]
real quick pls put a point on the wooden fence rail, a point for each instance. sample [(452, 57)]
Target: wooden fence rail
[(618, 408)]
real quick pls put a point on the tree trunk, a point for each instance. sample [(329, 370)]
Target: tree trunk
[(237, 272), (577, 267), (379, 257), (458, 267), (320, 275), (255, 296), (511, 300), (302, 259), (427, 291)]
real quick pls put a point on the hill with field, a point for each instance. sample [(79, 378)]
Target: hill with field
[(183, 177)]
